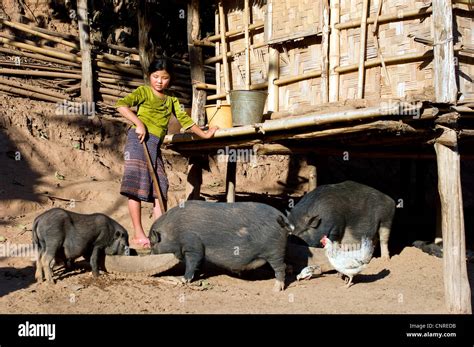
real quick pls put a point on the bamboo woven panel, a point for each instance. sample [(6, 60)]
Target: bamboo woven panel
[(296, 95), (465, 68), (299, 59), (290, 19), (258, 56), (412, 80)]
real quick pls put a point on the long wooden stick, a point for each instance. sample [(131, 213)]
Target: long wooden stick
[(247, 44), (33, 88), (377, 46), (31, 30), (31, 94), (39, 57), (39, 66), (154, 178), (230, 54), (47, 52), (218, 64), (39, 73), (401, 15), (363, 46), (388, 61), (255, 26), (224, 51), (87, 86), (325, 53), (334, 52)]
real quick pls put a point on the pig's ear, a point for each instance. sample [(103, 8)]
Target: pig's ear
[(313, 222), (284, 223), (155, 236)]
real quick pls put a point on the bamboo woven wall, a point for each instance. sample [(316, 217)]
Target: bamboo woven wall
[(412, 80), (300, 59), (258, 56), (407, 80), (465, 72), (292, 19)]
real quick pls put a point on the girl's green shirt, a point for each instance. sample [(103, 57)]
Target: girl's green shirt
[(154, 111)]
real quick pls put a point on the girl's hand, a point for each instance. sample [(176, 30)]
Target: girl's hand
[(141, 132), (203, 134), (210, 133)]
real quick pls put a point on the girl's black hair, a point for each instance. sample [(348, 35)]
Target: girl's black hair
[(160, 64)]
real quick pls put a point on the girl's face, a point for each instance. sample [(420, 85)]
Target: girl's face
[(160, 80)]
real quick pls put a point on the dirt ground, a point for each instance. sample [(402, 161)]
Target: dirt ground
[(76, 164)]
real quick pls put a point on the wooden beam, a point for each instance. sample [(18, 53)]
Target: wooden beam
[(146, 49), (444, 64), (363, 45), (39, 57), (227, 85), (30, 94), (297, 78), (255, 26), (194, 179), (303, 121), (325, 53), (247, 44), (34, 89), (400, 15), (230, 180), (31, 30), (313, 173), (197, 67), (334, 52), (456, 283), (273, 74), (87, 87), (39, 73), (218, 63), (230, 54)]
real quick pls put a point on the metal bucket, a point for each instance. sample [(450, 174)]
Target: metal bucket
[(247, 106)]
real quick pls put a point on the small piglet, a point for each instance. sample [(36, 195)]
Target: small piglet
[(237, 236), (65, 235)]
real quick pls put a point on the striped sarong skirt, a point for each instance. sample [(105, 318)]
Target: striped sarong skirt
[(137, 182)]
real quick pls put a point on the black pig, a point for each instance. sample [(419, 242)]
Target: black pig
[(65, 235), (344, 212), (237, 236)]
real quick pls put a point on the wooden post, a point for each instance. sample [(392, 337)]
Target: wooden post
[(325, 53), (194, 179), (146, 49), (247, 44), (273, 74), (313, 173), (197, 67), (230, 180), (363, 44), (87, 92), (444, 64), (456, 283), (218, 64), (334, 52), (224, 51)]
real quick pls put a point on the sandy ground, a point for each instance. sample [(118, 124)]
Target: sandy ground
[(410, 283)]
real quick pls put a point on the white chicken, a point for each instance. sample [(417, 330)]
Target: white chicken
[(309, 272), (348, 259)]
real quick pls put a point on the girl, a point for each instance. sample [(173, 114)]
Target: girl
[(155, 106)]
